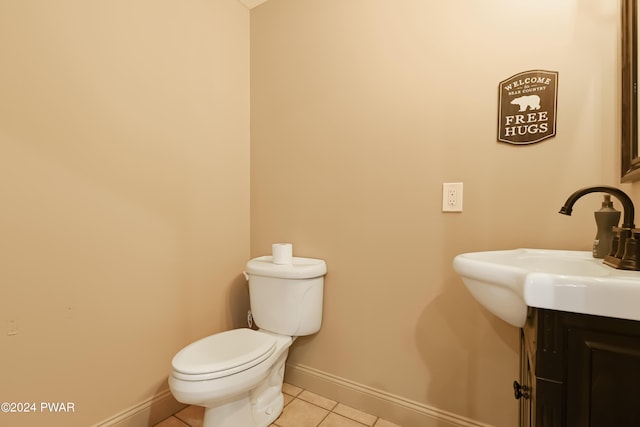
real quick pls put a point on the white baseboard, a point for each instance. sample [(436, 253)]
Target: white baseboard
[(146, 413), (404, 412)]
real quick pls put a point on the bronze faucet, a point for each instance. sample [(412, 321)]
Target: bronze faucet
[(625, 251)]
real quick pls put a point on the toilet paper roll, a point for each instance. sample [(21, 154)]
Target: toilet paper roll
[(282, 253)]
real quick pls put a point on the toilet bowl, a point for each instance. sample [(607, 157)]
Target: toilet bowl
[(237, 375)]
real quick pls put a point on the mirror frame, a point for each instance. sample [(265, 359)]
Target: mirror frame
[(629, 135)]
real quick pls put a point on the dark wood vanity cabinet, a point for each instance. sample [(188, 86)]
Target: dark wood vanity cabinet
[(579, 371)]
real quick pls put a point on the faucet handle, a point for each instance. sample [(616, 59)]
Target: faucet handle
[(619, 249), (631, 256), (625, 233), (615, 242)]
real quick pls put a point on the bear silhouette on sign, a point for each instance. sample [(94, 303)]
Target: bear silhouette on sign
[(531, 102)]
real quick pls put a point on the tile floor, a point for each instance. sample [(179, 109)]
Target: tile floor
[(301, 409)]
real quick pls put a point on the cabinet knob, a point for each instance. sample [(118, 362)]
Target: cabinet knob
[(520, 390)]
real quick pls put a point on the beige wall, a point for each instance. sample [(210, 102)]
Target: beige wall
[(124, 138), (360, 110), (124, 195)]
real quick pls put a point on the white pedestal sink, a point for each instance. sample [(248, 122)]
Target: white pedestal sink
[(507, 282)]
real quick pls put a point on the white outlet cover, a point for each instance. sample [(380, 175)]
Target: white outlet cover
[(452, 197)]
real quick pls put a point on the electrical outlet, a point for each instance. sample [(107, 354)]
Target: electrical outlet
[(452, 197)]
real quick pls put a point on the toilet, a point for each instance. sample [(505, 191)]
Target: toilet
[(237, 375)]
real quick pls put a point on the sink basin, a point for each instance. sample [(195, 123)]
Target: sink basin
[(508, 282)]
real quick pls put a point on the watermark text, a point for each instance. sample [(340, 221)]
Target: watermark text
[(37, 407)]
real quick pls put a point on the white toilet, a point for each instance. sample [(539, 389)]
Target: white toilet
[(237, 375)]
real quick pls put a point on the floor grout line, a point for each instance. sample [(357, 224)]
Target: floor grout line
[(330, 411)]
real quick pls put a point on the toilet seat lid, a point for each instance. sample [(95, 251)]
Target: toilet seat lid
[(226, 353)]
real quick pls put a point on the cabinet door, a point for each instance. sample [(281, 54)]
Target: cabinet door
[(549, 404), (603, 374)]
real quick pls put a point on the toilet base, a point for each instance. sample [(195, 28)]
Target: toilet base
[(240, 413), (257, 408), (236, 413), (246, 411)]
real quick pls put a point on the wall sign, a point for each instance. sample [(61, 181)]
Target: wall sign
[(527, 107)]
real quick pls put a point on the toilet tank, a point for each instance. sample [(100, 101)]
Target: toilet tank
[(287, 299)]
